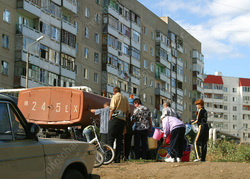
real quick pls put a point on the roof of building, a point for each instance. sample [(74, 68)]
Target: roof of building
[(244, 81), (214, 79)]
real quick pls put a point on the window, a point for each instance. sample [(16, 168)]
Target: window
[(234, 117), (96, 77), (136, 53), (152, 35), (225, 107), (86, 32), (152, 51), (225, 98), (67, 62), (4, 68), (152, 67), (5, 41), (145, 64), (76, 25), (96, 38), (85, 73), (45, 28), (6, 15), (55, 10), (68, 38), (234, 99), (151, 83), (225, 116), (136, 36), (234, 126), (97, 18), (234, 108), (97, 1), (44, 52), (234, 90), (86, 53), (145, 80), (126, 49), (145, 47), (86, 12), (225, 89), (55, 33), (96, 57), (145, 30)]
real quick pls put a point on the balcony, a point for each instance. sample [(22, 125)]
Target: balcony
[(69, 27), (113, 51), (196, 54), (173, 75), (111, 30), (162, 77), (162, 61), (47, 41), (135, 62), (22, 82), (179, 91), (179, 48), (29, 8), (68, 50), (112, 70), (162, 92), (68, 73), (28, 31), (180, 77), (161, 44), (180, 62), (173, 44), (113, 12), (70, 5), (110, 89), (179, 107), (136, 45), (198, 88), (135, 80), (136, 27)]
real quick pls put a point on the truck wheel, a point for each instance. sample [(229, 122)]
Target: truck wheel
[(73, 173)]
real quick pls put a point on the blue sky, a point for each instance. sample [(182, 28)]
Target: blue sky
[(222, 26)]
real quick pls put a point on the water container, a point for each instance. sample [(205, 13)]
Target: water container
[(152, 143), (188, 128), (158, 134)]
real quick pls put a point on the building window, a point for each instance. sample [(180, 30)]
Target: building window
[(234, 117), (45, 28), (86, 53), (145, 47), (55, 33), (145, 30), (76, 25), (152, 51), (234, 108), (225, 107), (5, 41), (234, 99), (97, 1), (152, 35), (151, 99), (68, 38), (145, 64), (97, 18), (6, 15), (96, 38), (96, 57), (225, 98), (234, 90), (151, 83), (4, 68), (86, 12), (44, 52), (234, 126), (144, 97), (85, 73), (152, 67), (145, 80), (225, 117), (96, 77), (86, 32), (225, 89)]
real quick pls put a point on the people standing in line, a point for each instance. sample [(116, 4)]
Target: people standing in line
[(176, 128), (142, 125), (104, 119), (203, 132), (119, 109), (168, 111)]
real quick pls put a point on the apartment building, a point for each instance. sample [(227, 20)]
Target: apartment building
[(227, 100), (7, 49), (89, 45), (52, 59), (187, 69)]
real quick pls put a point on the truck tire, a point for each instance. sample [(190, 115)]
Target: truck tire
[(73, 173)]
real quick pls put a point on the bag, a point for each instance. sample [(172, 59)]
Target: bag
[(152, 143), (163, 153)]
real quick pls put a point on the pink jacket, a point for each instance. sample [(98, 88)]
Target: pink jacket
[(170, 123)]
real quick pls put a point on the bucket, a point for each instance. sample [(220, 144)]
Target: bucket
[(157, 134), (152, 143)]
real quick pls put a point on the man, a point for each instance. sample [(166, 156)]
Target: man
[(168, 111), (119, 109), (104, 119), (142, 125)]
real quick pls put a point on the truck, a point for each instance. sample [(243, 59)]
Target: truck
[(23, 155)]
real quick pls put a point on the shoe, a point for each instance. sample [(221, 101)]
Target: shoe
[(197, 160), (178, 159), (170, 159)]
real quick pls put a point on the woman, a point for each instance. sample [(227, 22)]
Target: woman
[(175, 127), (203, 132)]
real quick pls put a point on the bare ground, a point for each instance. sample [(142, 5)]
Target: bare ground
[(151, 170)]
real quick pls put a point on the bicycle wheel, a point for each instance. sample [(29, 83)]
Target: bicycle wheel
[(99, 159), (109, 153)]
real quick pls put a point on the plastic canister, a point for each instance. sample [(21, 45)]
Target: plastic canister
[(152, 143), (157, 134)]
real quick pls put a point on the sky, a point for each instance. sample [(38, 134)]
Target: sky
[(222, 27)]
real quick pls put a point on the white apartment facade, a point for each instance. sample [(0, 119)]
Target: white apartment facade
[(227, 100)]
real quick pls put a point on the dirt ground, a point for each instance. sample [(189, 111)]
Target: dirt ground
[(151, 170)]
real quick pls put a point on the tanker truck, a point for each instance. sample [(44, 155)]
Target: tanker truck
[(55, 109)]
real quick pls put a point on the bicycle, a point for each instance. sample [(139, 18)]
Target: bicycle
[(107, 150)]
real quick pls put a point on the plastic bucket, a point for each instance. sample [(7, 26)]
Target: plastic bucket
[(152, 143), (157, 134)]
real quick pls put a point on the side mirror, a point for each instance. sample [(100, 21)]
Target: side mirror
[(33, 129)]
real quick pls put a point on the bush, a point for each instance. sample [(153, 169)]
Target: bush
[(228, 151)]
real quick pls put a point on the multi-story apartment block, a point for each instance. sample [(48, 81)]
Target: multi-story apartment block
[(102, 44), (187, 69), (51, 60), (7, 49), (227, 100)]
